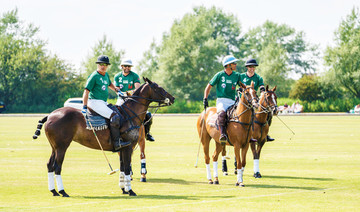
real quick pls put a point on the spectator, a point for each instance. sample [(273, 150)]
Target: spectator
[(357, 109), (284, 108), (297, 107)]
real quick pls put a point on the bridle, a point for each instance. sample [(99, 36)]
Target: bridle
[(268, 108)]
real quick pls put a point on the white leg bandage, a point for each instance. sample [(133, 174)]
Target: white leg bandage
[(215, 167), (223, 157), (240, 175), (122, 180), (256, 166), (51, 180), (208, 171), (59, 182), (143, 170), (127, 182)]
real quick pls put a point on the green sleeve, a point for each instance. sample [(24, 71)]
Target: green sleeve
[(137, 78), (90, 83), (214, 80)]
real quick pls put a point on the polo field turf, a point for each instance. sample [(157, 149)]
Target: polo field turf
[(317, 169)]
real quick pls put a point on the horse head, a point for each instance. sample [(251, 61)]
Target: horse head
[(268, 100), (249, 94), (158, 94)]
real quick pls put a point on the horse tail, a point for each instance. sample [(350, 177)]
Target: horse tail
[(41, 122)]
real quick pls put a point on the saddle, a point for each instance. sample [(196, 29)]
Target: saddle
[(98, 122)]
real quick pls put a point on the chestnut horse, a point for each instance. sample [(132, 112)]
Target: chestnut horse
[(238, 130), (67, 124), (268, 104)]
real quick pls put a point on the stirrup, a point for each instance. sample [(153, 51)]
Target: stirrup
[(120, 144)]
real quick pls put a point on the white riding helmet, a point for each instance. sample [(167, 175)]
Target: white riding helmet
[(126, 61), (228, 60)]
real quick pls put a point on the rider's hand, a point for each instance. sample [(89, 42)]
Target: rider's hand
[(205, 102), (240, 89), (119, 93), (84, 111)]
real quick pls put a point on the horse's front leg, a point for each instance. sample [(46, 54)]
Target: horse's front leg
[(215, 157), (122, 174), (239, 169), (224, 164), (143, 170), (257, 160), (126, 153)]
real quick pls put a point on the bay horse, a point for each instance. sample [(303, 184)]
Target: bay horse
[(67, 124), (268, 104), (238, 130)]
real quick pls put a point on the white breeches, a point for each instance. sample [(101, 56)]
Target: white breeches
[(223, 103), (100, 107)]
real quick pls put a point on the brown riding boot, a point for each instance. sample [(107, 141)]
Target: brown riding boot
[(222, 123), (115, 133)]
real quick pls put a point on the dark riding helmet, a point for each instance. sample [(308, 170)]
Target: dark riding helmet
[(251, 62), (103, 59)]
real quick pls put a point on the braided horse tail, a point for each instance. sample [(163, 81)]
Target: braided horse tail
[(41, 123)]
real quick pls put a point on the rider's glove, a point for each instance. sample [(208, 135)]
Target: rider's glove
[(240, 89), (120, 93), (262, 89), (84, 111), (205, 102)]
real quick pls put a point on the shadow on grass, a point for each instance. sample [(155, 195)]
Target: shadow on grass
[(174, 181), (157, 197), (301, 178)]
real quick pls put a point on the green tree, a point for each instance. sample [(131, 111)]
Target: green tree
[(191, 53), (281, 52), (306, 88), (343, 58), (103, 47), (31, 80)]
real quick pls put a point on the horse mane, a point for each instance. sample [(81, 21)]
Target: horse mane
[(137, 91)]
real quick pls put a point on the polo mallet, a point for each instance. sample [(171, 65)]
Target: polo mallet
[(201, 133), (287, 127), (112, 171)]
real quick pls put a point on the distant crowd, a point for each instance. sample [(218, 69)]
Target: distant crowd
[(294, 108)]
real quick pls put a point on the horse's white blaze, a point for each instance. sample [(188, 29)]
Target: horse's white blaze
[(122, 180), (273, 98), (208, 171), (59, 182), (127, 182), (256, 166), (51, 180), (215, 167)]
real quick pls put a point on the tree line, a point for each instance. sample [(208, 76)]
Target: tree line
[(184, 60)]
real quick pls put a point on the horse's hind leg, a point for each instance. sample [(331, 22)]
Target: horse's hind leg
[(51, 174), (59, 159)]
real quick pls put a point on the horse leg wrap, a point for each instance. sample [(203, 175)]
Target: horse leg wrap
[(143, 166), (240, 175), (208, 171), (122, 180), (59, 182), (224, 164), (256, 166), (215, 167), (51, 181), (127, 183)]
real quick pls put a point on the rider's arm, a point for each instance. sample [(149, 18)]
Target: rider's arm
[(137, 85), (207, 91), (112, 87), (85, 97)]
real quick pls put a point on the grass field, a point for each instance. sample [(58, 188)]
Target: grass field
[(317, 170)]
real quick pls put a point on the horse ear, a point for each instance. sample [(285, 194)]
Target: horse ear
[(145, 79), (242, 85), (267, 87), (274, 89), (252, 84)]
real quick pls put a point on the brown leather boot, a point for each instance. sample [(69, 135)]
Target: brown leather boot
[(222, 123), (115, 133)]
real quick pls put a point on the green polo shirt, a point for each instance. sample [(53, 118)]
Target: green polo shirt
[(98, 85), (258, 81), (225, 84), (126, 83)]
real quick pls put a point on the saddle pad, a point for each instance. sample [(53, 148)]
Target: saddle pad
[(97, 122)]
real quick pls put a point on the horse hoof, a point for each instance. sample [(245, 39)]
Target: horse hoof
[(257, 175), (132, 193), (124, 192), (55, 193), (63, 193), (216, 182), (225, 173), (143, 180), (240, 184), (211, 182)]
